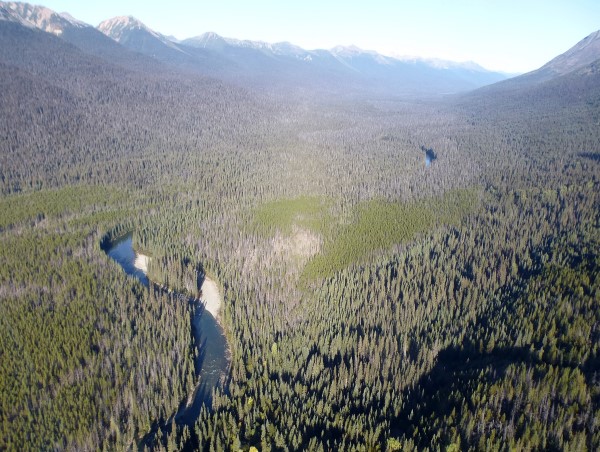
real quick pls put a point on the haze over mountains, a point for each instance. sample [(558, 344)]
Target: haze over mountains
[(258, 63), (283, 66)]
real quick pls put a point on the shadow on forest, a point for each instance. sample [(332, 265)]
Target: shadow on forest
[(187, 414), (595, 156), (454, 370), (458, 371)]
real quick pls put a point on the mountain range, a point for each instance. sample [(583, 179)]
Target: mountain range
[(254, 63), (284, 67)]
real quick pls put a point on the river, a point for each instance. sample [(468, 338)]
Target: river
[(210, 346)]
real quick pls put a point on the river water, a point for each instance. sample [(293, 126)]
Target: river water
[(210, 346)]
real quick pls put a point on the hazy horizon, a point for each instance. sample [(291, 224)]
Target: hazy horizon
[(508, 36)]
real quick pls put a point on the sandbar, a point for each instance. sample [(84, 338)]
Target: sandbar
[(211, 297)]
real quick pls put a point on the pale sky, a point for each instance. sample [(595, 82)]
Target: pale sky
[(505, 35)]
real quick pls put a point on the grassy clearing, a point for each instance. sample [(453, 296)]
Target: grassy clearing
[(378, 225), (46, 203), (309, 212)]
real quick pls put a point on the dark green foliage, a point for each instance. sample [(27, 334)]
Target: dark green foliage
[(508, 383), (83, 347), (370, 302), (377, 225), (36, 206)]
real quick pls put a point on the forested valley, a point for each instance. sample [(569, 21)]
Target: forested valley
[(370, 301)]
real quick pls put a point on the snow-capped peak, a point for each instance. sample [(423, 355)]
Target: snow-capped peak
[(72, 20), (214, 41), (347, 52), (440, 63), (210, 39), (289, 49), (257, 45), (211, 36), (118, 26)]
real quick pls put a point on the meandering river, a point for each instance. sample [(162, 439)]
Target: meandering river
[(211, 353)]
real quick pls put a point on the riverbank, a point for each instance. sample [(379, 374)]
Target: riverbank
[(211, 297)]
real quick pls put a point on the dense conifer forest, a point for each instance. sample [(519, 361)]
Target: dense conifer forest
[(370, 302)]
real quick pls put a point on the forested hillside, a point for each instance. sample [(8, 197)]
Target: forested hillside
[(370, 302)]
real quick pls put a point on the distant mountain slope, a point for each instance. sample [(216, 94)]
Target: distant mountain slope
[(564, 94), (580, 56), (57, 100), (45, 55), (134, 35), (578, 87), (41, 17), (83, 36)]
